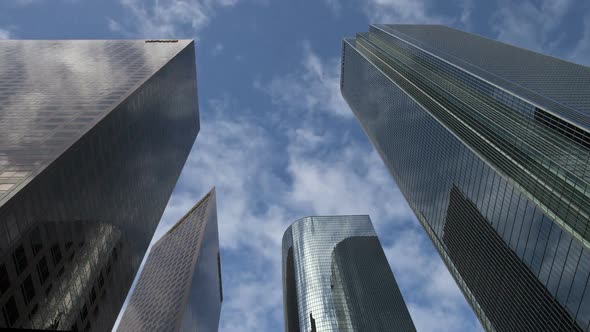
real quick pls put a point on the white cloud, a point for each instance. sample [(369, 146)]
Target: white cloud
[(409, 11), (217, 49), (25, 2), (466, 11), (530, 25), (434, 300), (349, 178), (5, 34), (167, 18), (439, 319), (403, 11), (315, 87), (334, 5), (581, 52)]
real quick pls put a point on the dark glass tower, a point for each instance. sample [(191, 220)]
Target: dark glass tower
[(490, 145), (93, 136), (179, 288), (336, 278)]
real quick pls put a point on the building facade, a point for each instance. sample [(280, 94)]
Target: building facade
[(93, 136), (336, 278), (490, 145), (179, 288)]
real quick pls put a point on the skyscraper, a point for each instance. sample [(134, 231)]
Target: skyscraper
[(179, 288), (490, 145), (336, 278), (93, 136)]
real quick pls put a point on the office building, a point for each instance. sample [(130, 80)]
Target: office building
[(336, 278), (93, 136), (179, 288), (490, 145)]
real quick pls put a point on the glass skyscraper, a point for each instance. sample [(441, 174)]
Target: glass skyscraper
[(179, 288), (93, 136), (336, 278), (490, 145)]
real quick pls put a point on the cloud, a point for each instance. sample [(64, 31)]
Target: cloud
[(217, 49), (25, 2), (404, 11), (166, 18), (334, 5), (347, 178), (315, 87), (581, 51), (435, 302), (5, 34), (410, 11), (531, 25)]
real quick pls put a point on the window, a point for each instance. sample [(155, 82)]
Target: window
[(28, 289), (36, 243), (219, 273), (56, 253), (4, 279), (20, 259), (92, 295), (84, 312), (48, 289), (43, 270), (33, 311), (100, 281), (10, 312), (114, 254), (312, 321)]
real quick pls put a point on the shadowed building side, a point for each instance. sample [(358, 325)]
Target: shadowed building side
[(369, 298), (495, 274), (290, 307)]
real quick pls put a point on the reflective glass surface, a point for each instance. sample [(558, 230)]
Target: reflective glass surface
[(179, 288), (93, 135), (497, 178), (337, 278)]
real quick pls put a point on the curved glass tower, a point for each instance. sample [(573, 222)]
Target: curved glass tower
[(490, 145), (336, 278)]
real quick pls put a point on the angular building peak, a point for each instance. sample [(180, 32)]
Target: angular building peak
[(179, 288), (52, 92)]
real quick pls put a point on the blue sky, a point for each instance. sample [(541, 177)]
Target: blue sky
[(277, 139)]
